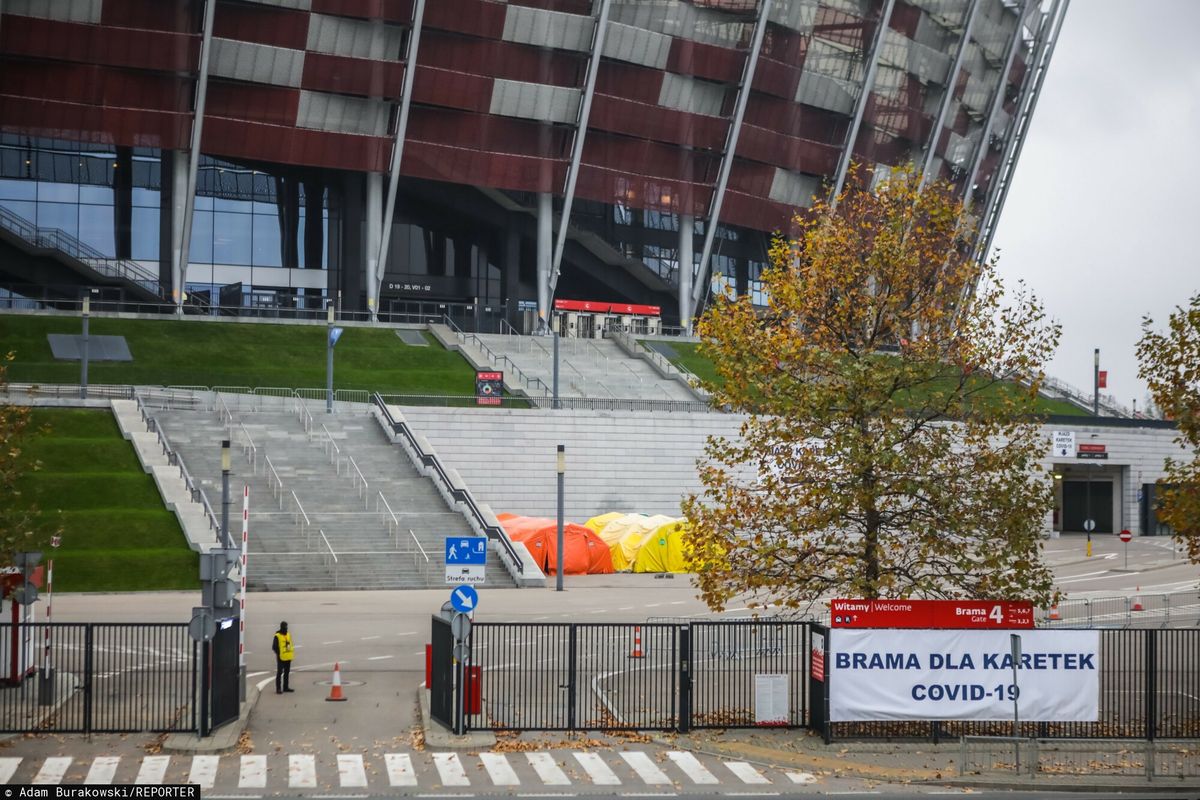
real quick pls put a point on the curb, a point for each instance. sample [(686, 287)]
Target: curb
[(437, 736), (224, 738)]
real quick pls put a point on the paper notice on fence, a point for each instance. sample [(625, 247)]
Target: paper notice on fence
[(950, 674)]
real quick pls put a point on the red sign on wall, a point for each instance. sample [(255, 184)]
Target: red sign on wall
[(1103, 379), (980, 614), (1092, 448)]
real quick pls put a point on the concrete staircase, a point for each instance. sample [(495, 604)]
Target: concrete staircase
[(307, 499)]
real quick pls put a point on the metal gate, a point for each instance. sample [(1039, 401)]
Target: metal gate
[(441, 687), (100, 678), (224, 679)]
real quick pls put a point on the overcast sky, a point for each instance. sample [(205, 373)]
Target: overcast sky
[(1102, 220)]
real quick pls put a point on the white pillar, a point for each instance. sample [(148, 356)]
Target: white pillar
[(687, 226), (545, 211), (179, 209), (373, 210)]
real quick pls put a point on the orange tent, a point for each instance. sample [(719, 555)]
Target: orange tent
[(584, 553)]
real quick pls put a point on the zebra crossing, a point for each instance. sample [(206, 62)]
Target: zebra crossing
[(299, 771)]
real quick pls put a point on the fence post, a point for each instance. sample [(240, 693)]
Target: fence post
[(205, 690), (684, 723), (88, 667), (1151, 684), (572, 668)]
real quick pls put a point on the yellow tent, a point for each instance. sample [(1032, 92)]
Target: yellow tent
[(662, 549), (596, 524), (625, 536)]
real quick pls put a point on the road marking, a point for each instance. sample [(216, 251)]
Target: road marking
[(677, 602), (335, 641), (52, 770), (204, 771), (378, 658), (253, 774), (600, 773), (499, 770), (102, 770), (302, 772), (1082, 576), (747, 773), (653, 605), (400, 769), (692, 767), (626, 608), (801, 777), (450, 769), (7, 767), (351, 771), (153, 769), (547, 769), (644, 767), (369, 638), (407, 633)]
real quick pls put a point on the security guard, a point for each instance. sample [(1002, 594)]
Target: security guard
[(282, 645)]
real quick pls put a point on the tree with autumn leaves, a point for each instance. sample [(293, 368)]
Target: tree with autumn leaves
[(1170, 364), (890, 447)]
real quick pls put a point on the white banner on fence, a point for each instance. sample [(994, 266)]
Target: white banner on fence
[(945, 674)]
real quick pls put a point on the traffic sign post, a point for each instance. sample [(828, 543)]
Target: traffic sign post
[(1125, 537), (466, 559)]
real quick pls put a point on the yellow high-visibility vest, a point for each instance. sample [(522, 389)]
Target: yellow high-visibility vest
[(284, 640)]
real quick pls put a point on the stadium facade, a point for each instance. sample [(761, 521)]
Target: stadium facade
[(280, 154)]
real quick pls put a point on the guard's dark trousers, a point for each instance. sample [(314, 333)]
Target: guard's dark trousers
[(283, 673)]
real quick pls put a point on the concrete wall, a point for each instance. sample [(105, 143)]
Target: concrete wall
[(646, 462)]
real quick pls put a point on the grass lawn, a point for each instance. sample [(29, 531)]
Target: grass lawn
[(179, 352), (688, 357), (116, 533)]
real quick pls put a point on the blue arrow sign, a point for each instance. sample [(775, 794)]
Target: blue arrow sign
[(464, 599), (466, 550), (334, 335)]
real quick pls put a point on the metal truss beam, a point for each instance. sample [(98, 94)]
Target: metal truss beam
[(948, 95), (860, 107), (997, 104), (410, 70), (181, 254), (581, 127), (1051, 26), (700, 287)]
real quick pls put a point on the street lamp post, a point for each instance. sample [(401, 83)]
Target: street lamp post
[(562, 470), (1096, 383), (555, 404), (329, 360), (1087, 515), (226, 466), (83, 350)]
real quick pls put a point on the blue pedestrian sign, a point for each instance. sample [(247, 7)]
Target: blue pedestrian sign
[(466, 550), (464, 599)]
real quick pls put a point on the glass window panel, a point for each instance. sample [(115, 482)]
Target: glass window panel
[(203, 203), (146, 232), (236, 206), (201, 250), (64, 216), (96, 229), (11, 189), (96, 195), (146, 198), (58, 192), (232, 238), (25, 210), (268, 250)]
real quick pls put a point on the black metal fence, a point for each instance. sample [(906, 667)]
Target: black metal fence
[(679, 676), (98, 678)]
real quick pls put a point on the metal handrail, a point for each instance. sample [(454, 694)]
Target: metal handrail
[(331, 559), (419, 551), (278, 481), (394, 528), (249, 449), (365, 486), (460, 495), (306, 417), (307, 529), (333, 448), (492, 356), (196, 494)]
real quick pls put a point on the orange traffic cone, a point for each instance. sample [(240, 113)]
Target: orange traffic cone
[(1137, 601), (637, 643), (335, 691), (1054, 612)]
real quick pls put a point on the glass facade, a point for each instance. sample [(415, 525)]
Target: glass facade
[(267, 230)]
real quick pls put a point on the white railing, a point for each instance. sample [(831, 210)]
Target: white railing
[(274, 481), (336, 457), (419, 553), (306, 417), (222, 409), (302, 521), (389, 519), (330, 557), (358, 481), (249, 450)]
